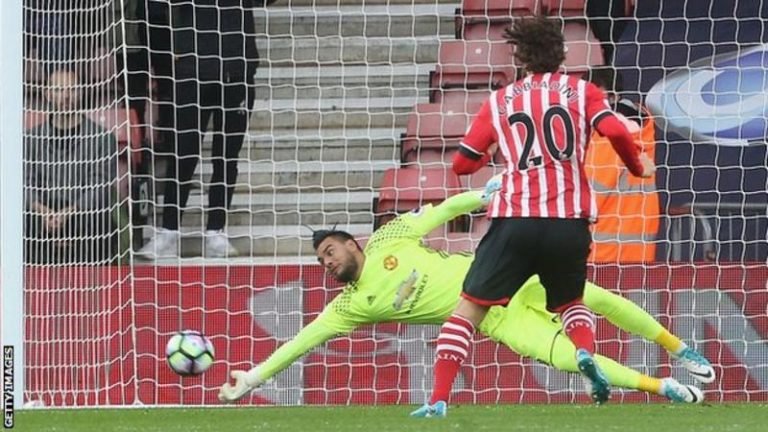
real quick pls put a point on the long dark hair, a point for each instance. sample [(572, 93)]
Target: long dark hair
[(539, 43)]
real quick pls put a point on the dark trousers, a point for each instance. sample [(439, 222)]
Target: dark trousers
[(152, 62), (228, 102), (85, 238)]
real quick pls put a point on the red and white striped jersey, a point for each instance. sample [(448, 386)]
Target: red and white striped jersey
[(542, 124)]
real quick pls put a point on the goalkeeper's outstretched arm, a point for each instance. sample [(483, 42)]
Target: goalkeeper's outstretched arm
[(327, 326), (331, 322), (428, 217)]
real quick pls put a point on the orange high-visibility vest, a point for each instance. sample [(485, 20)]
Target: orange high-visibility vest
[(627, 206)]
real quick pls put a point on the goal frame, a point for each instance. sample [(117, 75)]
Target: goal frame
[(12, 196)]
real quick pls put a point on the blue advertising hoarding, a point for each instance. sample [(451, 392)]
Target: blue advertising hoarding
[(700, 67)]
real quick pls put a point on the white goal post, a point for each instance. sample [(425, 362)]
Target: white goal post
[(11, 202)]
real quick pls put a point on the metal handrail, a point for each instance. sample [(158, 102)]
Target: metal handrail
[(701, 212), (704, 206)]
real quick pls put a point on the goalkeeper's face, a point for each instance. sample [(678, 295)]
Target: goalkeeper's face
[(340, 258)]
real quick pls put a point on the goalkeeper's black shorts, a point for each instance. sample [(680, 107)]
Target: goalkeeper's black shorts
[(514, 249)]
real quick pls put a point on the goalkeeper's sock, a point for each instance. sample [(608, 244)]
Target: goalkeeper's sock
[(670, 342), (650, 384), (579, 325), (452, 350)]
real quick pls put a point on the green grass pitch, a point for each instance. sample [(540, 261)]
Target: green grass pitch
[(568, 418)]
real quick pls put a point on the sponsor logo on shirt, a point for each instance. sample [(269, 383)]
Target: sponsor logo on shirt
[(405, 290), (718, 100)]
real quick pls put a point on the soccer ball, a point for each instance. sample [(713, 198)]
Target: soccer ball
[(189, 353)]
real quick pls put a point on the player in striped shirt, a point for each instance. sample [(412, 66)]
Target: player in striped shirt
[(540, 219), (398, 279)]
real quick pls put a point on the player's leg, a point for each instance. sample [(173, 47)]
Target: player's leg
[(190, 119), (237, 103), (562, 357), (543, 340), (494, 276), (562, 269), (631, 318), (451, 351)]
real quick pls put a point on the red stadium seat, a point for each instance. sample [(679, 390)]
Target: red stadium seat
[(473, 64), (404, 189), (124, 123), (492, 31), (500, 8), (582, 49), (479, 223), (487, 19), (471, 99), (478, 180), (468, 104), (434, 132), (565, 8)]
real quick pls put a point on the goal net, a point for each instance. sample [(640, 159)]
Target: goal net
[(179, 154)]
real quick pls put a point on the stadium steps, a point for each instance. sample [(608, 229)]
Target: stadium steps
[(327, 145), (328, 114), (336, 3), (292, 51), (357, 20), (333, 81), (315, 210), (274, 197), (308, 177), (262, 241), (333, 113)]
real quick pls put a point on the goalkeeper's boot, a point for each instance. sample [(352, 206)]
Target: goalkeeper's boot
[(437, 409), (682, 393), (696, 364), (599, 388)]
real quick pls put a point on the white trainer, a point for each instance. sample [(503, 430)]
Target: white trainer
[(696, 364), (217, 245), (681, 393), (165, 244)]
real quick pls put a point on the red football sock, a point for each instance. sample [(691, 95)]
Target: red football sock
[(579, 325), (452, 350)]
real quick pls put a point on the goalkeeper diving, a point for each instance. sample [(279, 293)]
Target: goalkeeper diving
[(399, 279)]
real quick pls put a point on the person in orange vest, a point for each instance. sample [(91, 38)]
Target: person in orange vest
[(628, 206)]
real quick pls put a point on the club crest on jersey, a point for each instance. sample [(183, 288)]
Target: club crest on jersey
[(390, 262)]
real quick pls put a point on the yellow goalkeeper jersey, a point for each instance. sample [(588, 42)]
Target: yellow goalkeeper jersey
[(402, 281)]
